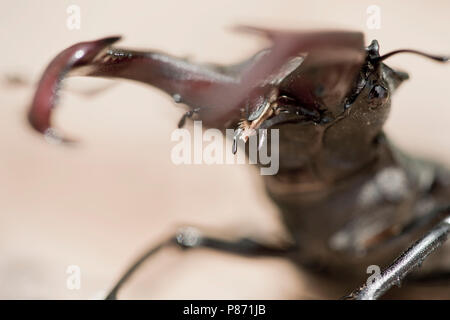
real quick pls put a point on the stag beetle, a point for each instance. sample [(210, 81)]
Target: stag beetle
[(348, 197)]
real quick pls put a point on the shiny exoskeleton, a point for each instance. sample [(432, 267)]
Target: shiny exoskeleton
[(348, 197)]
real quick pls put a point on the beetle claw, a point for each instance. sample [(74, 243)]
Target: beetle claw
[(188, 114)]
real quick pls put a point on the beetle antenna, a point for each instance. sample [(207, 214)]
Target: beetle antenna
[(430, 56)]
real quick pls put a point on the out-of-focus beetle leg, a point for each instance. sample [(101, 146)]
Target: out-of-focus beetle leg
[(190, 237)]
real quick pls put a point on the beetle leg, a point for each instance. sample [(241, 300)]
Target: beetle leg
[(189, 237), (189, 115), (404, 264)]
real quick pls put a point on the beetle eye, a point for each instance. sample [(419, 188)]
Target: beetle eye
[(378, 95)]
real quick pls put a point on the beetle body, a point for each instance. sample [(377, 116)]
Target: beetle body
[(348, 197)]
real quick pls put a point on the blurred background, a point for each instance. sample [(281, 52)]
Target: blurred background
[(99, 204)]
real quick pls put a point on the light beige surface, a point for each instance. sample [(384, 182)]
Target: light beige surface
[(99, 204)]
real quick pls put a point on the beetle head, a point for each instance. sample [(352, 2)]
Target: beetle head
[(342, 138), (376, 84)]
